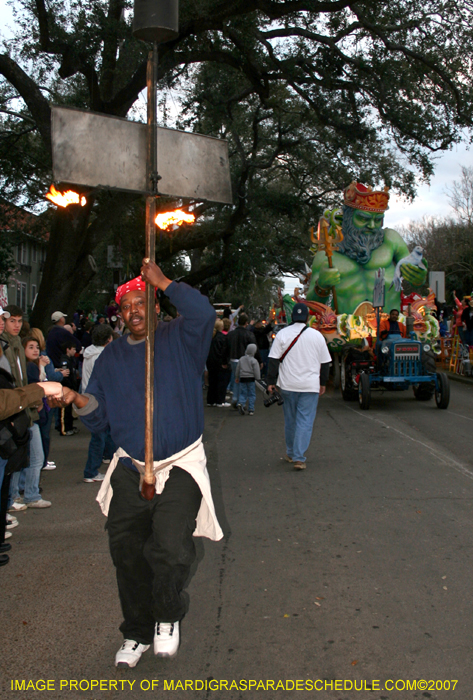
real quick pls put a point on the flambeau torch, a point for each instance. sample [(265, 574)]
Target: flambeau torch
[(63, 199)]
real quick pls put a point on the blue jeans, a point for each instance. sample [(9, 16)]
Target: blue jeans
[(264, 359), (247, 391), (3, 464), (300, 408), (234, 387), (101, 446), (28, 479), (4, 487)]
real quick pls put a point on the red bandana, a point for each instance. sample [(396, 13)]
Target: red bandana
[(136, 284)]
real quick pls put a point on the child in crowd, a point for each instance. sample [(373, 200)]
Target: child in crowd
[(247, 372)]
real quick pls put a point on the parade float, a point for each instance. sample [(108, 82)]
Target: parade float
[(356, 279), (350, 248)]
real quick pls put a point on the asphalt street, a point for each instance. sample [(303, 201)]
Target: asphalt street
[(357, 569)]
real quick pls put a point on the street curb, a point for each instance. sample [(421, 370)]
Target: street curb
[(459, 378)]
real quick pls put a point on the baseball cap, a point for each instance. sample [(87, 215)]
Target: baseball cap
[(300, 313), (4, 313), (57, 315)]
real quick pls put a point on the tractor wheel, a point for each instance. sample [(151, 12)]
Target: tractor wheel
[(424, 392), (364, 392), (347, 393), (442, 393)]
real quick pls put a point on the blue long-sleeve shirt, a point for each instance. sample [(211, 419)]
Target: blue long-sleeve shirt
[(52, 374), (118, 381)]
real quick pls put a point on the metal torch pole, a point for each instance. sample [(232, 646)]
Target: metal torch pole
[(148, 486)]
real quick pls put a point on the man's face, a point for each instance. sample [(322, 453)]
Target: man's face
[(133, 306), (13, 324), (133, 309), (394, 315), (101, 319), (70, 352), (362, 233), (367, 222), (2, 323)]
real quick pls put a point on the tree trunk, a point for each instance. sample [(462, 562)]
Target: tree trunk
[(67, 269)]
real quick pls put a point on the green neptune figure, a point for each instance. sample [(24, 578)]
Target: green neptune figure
[(366, 246)]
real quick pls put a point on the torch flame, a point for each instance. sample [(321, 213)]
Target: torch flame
[(63, 199), (173, 218)]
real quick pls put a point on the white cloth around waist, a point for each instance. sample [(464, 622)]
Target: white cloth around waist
[(194, 461)]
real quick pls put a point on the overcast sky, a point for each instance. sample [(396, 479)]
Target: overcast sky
[(431, 200)]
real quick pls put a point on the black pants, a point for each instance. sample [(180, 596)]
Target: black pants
[(3, 506), (66, 420), (152, 548), (218, 382)]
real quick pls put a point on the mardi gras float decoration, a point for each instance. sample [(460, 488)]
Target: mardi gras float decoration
[(351, 246)]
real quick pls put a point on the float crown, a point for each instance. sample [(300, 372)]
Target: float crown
[(358, 196)]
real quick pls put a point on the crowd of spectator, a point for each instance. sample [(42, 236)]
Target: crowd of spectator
[(238, 357), (66, 356)]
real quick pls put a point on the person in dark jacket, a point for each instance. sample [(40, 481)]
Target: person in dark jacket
[(29, 475), (237, 342), (12, 404), (218, 370), (261, 331), (467, 322), (57, 336)]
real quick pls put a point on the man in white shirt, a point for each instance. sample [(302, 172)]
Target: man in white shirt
[(299, 355)]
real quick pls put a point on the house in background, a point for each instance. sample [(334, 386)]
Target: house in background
[(26, 233)]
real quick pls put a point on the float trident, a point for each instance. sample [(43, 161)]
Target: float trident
[(328, 238)]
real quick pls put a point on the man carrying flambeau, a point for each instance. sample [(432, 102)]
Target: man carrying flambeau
[(151, 542)]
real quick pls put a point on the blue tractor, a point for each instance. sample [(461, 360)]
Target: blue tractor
[(397, 364)]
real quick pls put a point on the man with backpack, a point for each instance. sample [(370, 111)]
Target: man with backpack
[(299, 362)]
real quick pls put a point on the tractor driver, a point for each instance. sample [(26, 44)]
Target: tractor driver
[(391, 326)]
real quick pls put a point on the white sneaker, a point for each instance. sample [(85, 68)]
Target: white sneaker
[(98, 477), (130, 653), (166, 639), (11, 525), (106, 461), (17, 506), (39, 504), (7, 535), (49, 467), (11, 518), (224, 405)]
